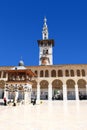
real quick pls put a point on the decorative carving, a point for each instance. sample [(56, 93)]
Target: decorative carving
[(81, 83), (44, 84), (2, 84), (70, 83), (57, 84)]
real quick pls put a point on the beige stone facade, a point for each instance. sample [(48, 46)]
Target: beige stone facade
[(57, 82)]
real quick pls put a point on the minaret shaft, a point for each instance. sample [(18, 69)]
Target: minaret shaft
[(45, 47)]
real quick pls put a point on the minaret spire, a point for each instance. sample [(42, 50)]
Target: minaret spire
[(45, 30)]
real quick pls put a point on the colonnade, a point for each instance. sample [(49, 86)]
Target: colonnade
[(64, 91), (49, 89)]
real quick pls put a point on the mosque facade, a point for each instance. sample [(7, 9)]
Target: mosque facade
[(45, 81)]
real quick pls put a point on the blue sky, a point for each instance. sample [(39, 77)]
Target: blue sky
[(21, 23)]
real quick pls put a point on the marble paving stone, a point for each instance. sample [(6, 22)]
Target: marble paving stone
[(55, 115)]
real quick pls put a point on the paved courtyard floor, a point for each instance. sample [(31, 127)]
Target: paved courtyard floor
[(55, 115)]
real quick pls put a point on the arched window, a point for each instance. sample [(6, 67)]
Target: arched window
[(83, 72), (72, 73), (4, 74), (41, 73), (60, 73), (78, 72), (46, 73), (36, 72), (53, 73), (45, 51), (66, 73), (0, 74)]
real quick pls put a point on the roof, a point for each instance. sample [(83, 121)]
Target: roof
[(45, 66), (27, 71)]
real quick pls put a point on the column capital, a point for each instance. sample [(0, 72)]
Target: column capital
[(76, 83), (38, 83), (50, 84), (64, 85)]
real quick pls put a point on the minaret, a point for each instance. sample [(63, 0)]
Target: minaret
[(45, 47)]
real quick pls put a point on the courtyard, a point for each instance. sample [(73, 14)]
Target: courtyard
[(49, 115)]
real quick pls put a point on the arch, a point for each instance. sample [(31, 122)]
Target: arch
[(57, 83), (60, 73), (44, 90), (78, 72), (57, 90), (83, 72), (44, 84), (81, 83), (46, 73), (53, 73), (41, 73), (71, 89), (34, 84), (82, 89), (66, 73), (70, 83), (72, 73)]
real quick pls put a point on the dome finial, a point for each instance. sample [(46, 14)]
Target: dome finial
[(45, 20), (21, 62)]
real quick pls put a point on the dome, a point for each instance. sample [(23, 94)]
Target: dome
[(21, 63)]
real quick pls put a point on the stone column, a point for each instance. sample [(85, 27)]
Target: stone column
[(64, 92), (16, 96), (7, 76), (38, 91), (2, 74), (86, 91), (50, 91), (6, 94), (26, 97), (76, 92)]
